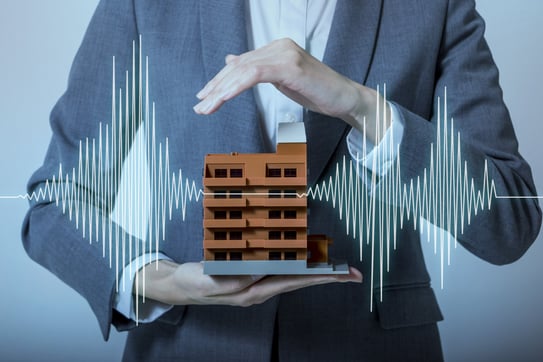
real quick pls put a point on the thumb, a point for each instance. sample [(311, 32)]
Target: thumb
[(354, 276)]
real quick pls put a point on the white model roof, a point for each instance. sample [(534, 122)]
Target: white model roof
[(291, 132)]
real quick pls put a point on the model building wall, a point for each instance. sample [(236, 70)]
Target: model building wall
[(252, 205)]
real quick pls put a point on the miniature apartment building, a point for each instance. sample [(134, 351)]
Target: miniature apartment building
[(255, 212)]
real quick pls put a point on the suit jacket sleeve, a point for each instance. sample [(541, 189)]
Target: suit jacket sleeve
[(466, 67), (49, 237)]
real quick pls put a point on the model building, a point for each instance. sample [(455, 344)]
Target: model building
[(255, 212)]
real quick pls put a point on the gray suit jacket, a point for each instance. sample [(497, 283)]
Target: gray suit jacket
[(417, 47)]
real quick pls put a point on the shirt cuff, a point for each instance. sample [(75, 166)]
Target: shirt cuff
[(377, 159), (124, 303)]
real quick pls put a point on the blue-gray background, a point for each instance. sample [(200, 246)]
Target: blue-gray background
[(491, 313)]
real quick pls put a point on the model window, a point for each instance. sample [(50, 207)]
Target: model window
[(274, 194), (220, 194), (219, 215), (220, 255), (290, 172), (220, 173), (274, 214), (235, 214), (220, 235), (275, 255), (290, 235), (273, 172), (235, 235), (236, 172), (235, 255), (235, 194), (290, 194), (274, 235), (290, 214), (290, 255)]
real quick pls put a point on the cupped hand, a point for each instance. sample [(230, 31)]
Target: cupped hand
[(300, 77), (184, 284)]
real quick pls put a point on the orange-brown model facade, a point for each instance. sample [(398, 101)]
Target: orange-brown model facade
[(255, 212)]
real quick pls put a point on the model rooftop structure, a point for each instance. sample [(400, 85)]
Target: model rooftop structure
[(293, 132), (255, 212)]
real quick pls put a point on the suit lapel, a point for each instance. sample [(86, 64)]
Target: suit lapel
[(223, 31), (349, 51)]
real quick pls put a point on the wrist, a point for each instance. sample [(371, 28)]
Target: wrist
[(157, 280), (364, 114)]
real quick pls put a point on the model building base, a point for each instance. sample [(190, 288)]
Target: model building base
[(272, 267)]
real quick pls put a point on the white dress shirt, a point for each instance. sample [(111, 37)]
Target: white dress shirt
[(308, 23)]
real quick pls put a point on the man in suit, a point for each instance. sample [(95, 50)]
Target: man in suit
[(416, 47)]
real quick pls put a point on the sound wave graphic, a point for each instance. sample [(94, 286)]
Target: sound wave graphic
[(373, 207), (100, 194), (444, 195)]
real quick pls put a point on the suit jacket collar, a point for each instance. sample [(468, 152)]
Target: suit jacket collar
[(349, 51), (223, 31)]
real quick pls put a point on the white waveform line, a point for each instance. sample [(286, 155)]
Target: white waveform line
[(87, 192), (444, 195), (173, 190), (518, 197)]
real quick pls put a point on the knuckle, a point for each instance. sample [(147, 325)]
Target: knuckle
[(238, 285), (258, 296), (201, 289), (232, 60), (250, 298), (256, 72), (245, 302), (285, 43), (259, 300), (293, 59), (223, 97)]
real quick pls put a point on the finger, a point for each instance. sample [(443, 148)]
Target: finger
[(270, 287), (227, 284), (250, 65), (354, 276), (194, 284), (229, 58), (260, 292), (238, 80), (204, 92), (283, 284), (267, 288)]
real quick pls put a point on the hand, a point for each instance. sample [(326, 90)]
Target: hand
[(300, 77), (183, 284)]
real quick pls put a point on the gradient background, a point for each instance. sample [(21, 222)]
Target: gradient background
[(491, 313)]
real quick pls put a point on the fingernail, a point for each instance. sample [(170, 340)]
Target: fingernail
[(204, 106), (198, 108), (203, 92)]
